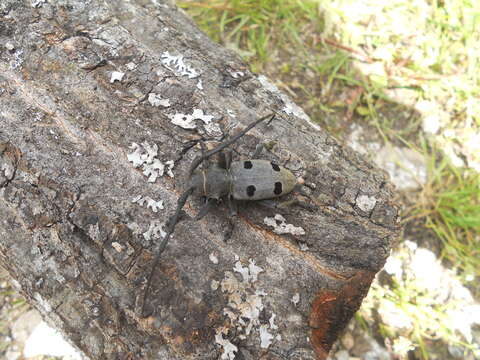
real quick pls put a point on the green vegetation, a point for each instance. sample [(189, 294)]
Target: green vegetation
[(254, 27), (450, 203), (396, 68)]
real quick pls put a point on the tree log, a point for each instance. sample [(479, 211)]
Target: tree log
[(101, 102)]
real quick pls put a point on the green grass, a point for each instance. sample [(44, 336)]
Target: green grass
[(254, 27), (450, 205)]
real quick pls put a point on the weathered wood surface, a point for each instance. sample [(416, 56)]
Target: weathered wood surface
[(80, 249)]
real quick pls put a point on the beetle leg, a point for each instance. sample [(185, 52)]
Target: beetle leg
[(225, 159), (200, 159), (228, 158), (272, 204), (232, 206), (209, 203), (229, 232), (301, 190), (258, 150), (196, 161), (222, 161), (206, 160), (303, 204)]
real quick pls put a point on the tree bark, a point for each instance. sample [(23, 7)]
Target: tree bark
[(95, 98)]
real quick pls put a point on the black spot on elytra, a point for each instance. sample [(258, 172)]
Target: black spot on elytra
[(248, 165), (251, 190), (278, 188), (275, 166)]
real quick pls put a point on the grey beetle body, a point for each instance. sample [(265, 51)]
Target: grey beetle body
[(244, 180), (260, 179)]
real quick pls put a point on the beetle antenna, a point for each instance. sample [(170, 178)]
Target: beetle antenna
[(172, 222), (227, 143)]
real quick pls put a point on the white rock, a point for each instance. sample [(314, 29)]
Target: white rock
[(49, 342), (24, 325), (407, 168)]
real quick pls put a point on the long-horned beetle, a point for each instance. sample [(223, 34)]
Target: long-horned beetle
[(243, 180), (238, 180)]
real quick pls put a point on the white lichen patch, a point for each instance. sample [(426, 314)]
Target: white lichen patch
[(144, 156), (280, 226), (237, 74), (271, 322), (254, 270), (303, 247), (156, 100), (213, 258), (17, 60), (93, 231), (155, 231), (366, 203), (131, 66), (178, 66), (250, 273), (242, 270), (7, 167), (116, 76), (229, 349), (245, 304), (149, 202), (250, 311), (168, 168), (214, 285), (130, 249), (265, 337), (296, 299), (187, 121), (136, 229), (117, 246), (38, 3), (153, 170)]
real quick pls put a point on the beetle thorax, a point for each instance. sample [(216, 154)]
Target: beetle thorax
[(213, 182)]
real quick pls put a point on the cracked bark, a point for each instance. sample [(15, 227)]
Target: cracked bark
[(72, 238)]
